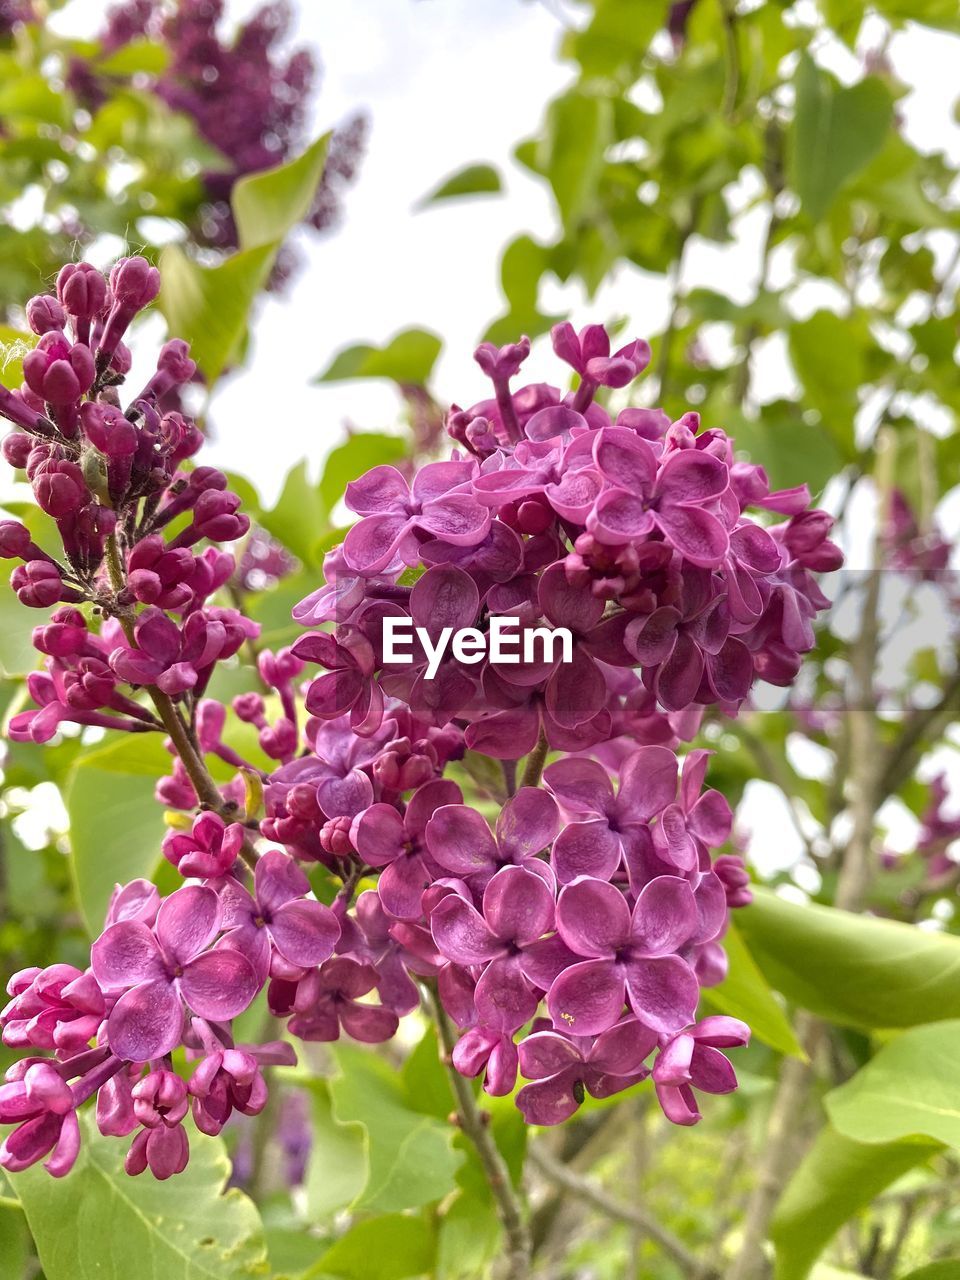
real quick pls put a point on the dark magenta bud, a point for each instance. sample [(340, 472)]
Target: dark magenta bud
[(45, 313), (60, 489), (37, 583), (16, 448), (134, 283), (82, 290), (15, 540)]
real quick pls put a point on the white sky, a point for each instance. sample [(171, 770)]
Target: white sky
[(445, 83)]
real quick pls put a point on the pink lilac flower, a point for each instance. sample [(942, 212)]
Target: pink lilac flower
[(155, 973)]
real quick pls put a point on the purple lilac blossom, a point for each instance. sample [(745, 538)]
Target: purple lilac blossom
[(569, 944)]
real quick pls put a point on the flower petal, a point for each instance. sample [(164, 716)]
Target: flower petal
[(378, 835), (585, 849), (146, 1022), (695, 533), (663, 992), (664, 917), (549, 1101), (691, 476), (503, 998), (651, 639), (219, 984), (518, 906), (528, 822), (460, 840), (304, 932), (444, 596), (566, 605), (378, 491), (576, 691), (277, 879), (461, 933), (187, 922), (373, 541), (587, 998), (545, 1053), (582, 786), (648, 783), (593, 918), (124, 955), (678, 680)]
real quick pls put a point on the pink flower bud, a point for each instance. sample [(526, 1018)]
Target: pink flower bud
[(45, 313)]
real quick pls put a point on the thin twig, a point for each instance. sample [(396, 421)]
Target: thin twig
[(777, 1159), (632, 1215), (474, 1124), (208, 793)]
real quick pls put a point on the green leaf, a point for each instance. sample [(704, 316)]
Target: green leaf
[(14, 345), (410, 1156), (857, 971), (473, 180), (945, 1269), (138, 56), (17, 654), (908, 1089), (836, 132), (210, 306), (269, 204), (578, 130), (353, 459), (791, 450), (14, 1240), (828, 353), (408, 358), (390, 1247), (337, 1170), (101, 1224), (299, 518), (117, 780), (837, 1178), (470, 1237), (745, 994)]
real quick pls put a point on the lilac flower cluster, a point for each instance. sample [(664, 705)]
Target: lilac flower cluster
[(245, 96), (570, 943)]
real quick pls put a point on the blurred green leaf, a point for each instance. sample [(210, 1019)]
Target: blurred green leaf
[(299, 516), (137, 56), (17, 654), (473, 180), (827, 352), (389, 1247), (353, 459), (835, 133), (908, 1089), (14, 1241), (14, 345), (408, 357), (745, 994), (116, 780), (210, 306), (101, 1224), (836, 1179), (577, 132), (857, 971), (269, 204), (410, 1156), (337, 1169), (945, 1269)]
